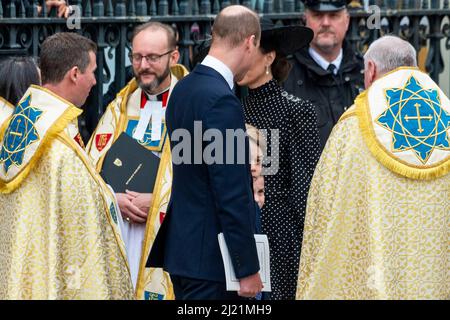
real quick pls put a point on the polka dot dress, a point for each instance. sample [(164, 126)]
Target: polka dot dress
[(267, 108)]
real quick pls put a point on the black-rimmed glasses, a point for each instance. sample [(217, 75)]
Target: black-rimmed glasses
[(136, 58)]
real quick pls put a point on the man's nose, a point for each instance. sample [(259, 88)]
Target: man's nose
[(144, 64), (326, 20)]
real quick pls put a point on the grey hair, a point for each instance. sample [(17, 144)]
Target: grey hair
[(389, 53)]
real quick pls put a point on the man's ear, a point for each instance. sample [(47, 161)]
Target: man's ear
[(370, 73), (73, 74), (250, 41), (373, 71), (174, 57)]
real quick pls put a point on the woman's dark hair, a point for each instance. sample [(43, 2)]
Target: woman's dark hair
[(16, 75), (200, 51), (280, 66)]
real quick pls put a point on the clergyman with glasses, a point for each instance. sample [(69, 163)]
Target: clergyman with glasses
[(154, 59)]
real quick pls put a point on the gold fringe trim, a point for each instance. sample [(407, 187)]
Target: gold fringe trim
[(150, 235), (6, 102), (59, 125), (179, 71), (398, 69), (125, 94), (384, 157), (349, 113), (3, 128), (5, 124)]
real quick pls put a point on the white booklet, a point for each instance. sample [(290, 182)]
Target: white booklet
[(262, 246)]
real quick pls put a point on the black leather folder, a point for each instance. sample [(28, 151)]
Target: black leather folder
[(130, 166)]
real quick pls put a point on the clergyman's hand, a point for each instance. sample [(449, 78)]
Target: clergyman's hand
[(129, 211), (141, 200)]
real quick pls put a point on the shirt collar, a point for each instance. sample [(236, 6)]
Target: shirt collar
[(221, 68), (324, 63)]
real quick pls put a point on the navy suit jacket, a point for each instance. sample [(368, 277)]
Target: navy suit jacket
[(206, 199)]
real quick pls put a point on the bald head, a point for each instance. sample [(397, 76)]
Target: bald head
[(234, 24)]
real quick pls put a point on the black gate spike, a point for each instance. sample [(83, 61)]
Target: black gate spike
[(109, 12), (141, 8), (99, 9)]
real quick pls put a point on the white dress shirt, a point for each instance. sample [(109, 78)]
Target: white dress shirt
[(221, 68), (324, 63)]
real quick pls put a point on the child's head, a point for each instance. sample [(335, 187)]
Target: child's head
[(257, 145), (258, 191)]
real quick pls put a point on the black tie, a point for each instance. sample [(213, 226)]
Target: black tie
[(331, 68)]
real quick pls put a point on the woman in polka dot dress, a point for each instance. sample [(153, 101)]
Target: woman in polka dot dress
[(268, 107)]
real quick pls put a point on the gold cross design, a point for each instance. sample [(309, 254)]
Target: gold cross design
[(419, 117), (15, 133)]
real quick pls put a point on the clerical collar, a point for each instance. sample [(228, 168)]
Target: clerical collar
[(221, 68), (324, 64), (155, 96), (162, 96)]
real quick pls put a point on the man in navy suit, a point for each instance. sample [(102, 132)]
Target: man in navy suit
[(211, 197)]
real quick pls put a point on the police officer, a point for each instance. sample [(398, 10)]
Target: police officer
[(328, 73)]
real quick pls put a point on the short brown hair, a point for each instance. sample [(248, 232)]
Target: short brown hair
[(63, 51), (154, 25), (236, 26)]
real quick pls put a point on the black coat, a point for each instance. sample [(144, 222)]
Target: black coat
[(269, 107), (207, 197), (330, 94)]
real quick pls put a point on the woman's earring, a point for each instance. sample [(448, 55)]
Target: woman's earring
[(267, 70)]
